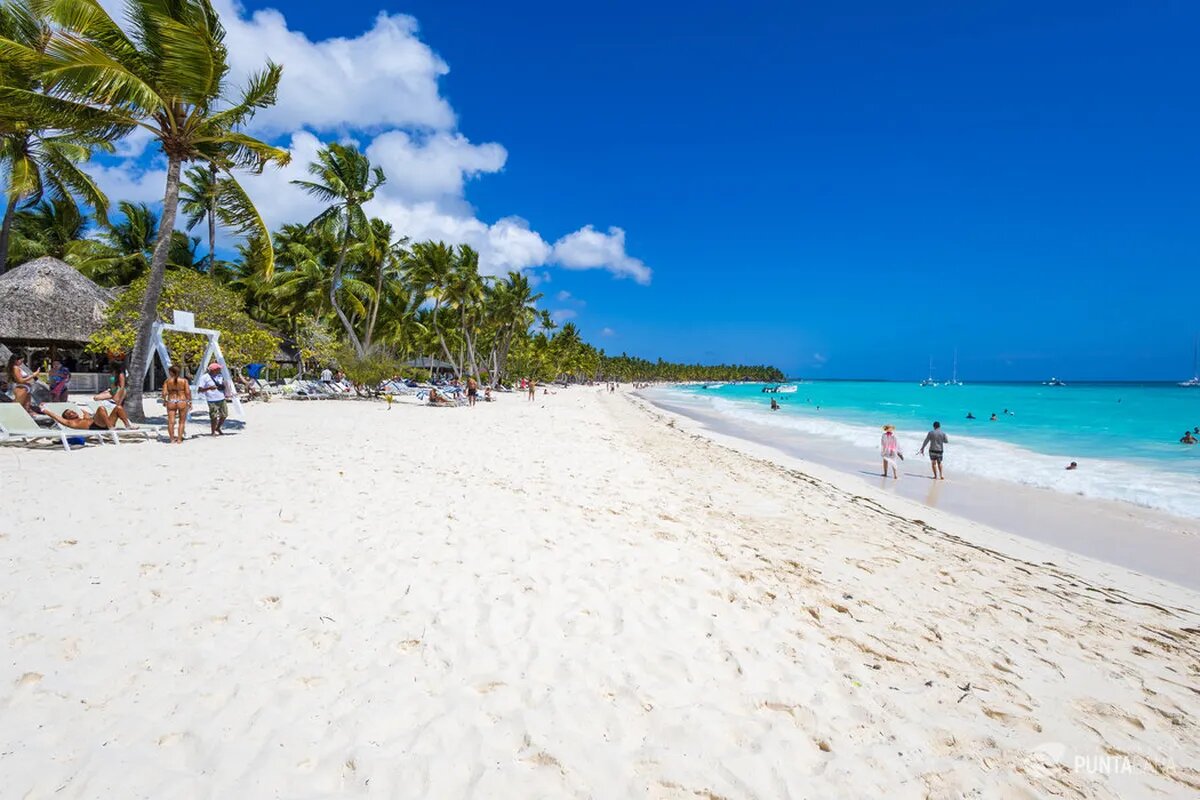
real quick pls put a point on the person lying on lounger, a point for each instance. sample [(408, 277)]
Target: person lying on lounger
[(437, 398), (80, 420)]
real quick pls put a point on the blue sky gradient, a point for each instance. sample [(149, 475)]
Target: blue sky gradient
[(846, 189)]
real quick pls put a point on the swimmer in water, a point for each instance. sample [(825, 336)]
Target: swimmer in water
[(993, 419), (774, 404), (970, 415), (1187, 438)]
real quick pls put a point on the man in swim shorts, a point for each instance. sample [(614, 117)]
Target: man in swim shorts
[(212, 389), (935, 440), (81, 420)]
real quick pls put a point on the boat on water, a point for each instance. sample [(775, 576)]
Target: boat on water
[(954, 381), (713, 385), (789, 388), (1194, 381), (929, 381), (1054, 382)]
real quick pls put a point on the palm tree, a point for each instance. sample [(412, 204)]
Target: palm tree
[(198, 201), (164, 72), (127, 244), (464, 291), (515, 310), (346, 180), (54, 228), (429, 269), (40, 153), (381, 257)]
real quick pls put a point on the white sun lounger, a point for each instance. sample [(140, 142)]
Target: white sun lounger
[(145, 431), (17, 427)]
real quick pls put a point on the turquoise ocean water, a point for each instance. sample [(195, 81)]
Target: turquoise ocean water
[(1125, 436)]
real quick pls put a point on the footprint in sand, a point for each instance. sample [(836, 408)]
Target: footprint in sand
[(171, 739), (24, 639)]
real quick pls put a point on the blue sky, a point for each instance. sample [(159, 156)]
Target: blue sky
[(840, 189)]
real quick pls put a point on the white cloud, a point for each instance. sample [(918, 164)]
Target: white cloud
[(588, 248), (379, 89), (563, 314), (563, 296), (130, 181), (607, 332), (433, 167), (383, 78)]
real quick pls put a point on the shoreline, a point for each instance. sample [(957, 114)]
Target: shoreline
[(1142, 540), (591, 602)]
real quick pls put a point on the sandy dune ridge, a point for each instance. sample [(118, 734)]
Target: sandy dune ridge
[(569, 598)]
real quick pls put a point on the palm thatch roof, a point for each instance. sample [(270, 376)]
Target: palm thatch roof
[(47, 300)]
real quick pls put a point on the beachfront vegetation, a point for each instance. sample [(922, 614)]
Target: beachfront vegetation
[(345, 288), (164, 73), (243, 341)]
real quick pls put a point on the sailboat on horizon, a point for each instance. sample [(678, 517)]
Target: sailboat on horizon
[(954, 381), (929, 381), (1194, 381)]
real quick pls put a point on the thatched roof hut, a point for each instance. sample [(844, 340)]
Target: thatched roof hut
[(46, 301)]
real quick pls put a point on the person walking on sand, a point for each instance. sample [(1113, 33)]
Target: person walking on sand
[(177, 397), (935, 440), (212, 389), (889, 448), (472, 391), (532, 390)]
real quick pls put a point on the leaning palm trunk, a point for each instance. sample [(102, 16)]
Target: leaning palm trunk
[(213, 223), (10, 212), (149, 312), (373, 314), (333, 291), (470, 345), (442, 339)]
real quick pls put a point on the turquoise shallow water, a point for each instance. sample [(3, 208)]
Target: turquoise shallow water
[(1125, 436), (1096, 420)]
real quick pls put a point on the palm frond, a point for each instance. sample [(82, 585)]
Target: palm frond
[(61, 163), (237, 212), (77, 68), (260, 92)]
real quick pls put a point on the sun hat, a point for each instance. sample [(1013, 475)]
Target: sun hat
[(889, 427), (213, 367)]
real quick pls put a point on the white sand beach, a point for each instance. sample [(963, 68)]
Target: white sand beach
[(568, 598)]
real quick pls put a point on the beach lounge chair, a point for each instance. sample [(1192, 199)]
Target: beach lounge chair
[(143, 430), (17, 427)]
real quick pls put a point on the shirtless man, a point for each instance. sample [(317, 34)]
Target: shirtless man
[(80, 420), (177, 396)]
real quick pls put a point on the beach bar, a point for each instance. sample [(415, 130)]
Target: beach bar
[(48, 310)]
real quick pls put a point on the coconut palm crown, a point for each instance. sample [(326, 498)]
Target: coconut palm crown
[(164, 72)]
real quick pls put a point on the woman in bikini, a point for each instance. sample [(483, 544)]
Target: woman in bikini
[(22, 381), (177, 396), (116, 386)]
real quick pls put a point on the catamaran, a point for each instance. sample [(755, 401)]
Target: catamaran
[(1054, 382), (954, 381), (929, 381), (1194, 381)]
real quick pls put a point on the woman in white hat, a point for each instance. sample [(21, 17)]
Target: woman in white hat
[(889, 448)]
